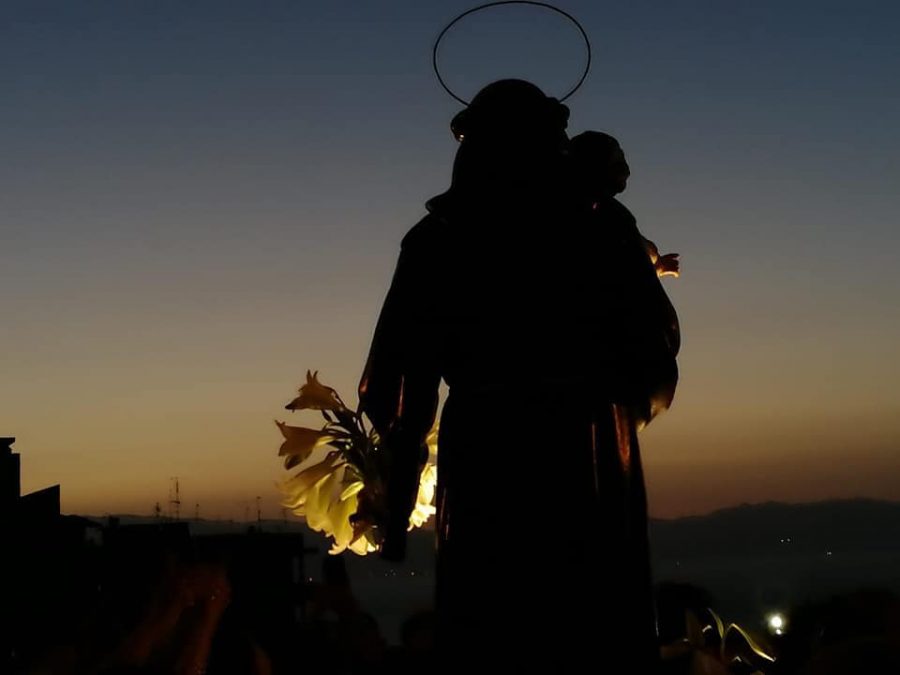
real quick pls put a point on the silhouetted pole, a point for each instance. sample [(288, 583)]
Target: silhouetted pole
[(176, 500)]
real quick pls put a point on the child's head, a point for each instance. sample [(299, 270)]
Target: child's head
[(600, 163)]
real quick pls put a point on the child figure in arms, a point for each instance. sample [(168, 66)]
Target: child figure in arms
[(600, 158)]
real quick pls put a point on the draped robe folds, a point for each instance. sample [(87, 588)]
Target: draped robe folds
[(536, 315)]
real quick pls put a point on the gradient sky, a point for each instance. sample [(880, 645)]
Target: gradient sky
[(199, 201)]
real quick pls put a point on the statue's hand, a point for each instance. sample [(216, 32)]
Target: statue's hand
[(668, 265)]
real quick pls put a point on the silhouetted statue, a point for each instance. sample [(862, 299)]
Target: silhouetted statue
[(535, 308)]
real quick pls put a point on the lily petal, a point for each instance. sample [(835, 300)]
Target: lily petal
[(432, 442), (316, 396), (352, 490), (301, 441), (424, 507), (298, 487), (317, 507), (339, 513)]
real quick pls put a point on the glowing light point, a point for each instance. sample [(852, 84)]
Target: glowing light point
[(776, 623)]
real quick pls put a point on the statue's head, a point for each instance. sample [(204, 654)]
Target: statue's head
[(512, 137), (511, 111)]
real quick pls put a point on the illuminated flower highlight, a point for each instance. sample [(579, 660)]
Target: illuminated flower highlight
[(340, 492)]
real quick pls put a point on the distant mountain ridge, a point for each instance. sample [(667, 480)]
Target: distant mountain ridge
[(858, 525)]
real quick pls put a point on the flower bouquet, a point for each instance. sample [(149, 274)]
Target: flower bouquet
[(339, 486)]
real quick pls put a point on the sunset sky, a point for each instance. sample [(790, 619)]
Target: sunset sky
[(199, 201)]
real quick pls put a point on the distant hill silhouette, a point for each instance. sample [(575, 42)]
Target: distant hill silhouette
[(839, 526), (857, 525)]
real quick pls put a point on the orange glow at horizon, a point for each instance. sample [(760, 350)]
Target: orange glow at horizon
[(200, 207)]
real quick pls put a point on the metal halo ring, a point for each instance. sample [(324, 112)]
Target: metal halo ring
[(437, 43)]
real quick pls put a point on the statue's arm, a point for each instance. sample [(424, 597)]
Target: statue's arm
[(650, 324), (399, 389)]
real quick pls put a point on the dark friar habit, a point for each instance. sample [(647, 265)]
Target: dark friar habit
[(545, 318)]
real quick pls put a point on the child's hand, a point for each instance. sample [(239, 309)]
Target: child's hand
[(668, 265)]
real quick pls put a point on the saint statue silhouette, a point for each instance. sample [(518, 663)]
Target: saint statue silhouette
[(528, 289)]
